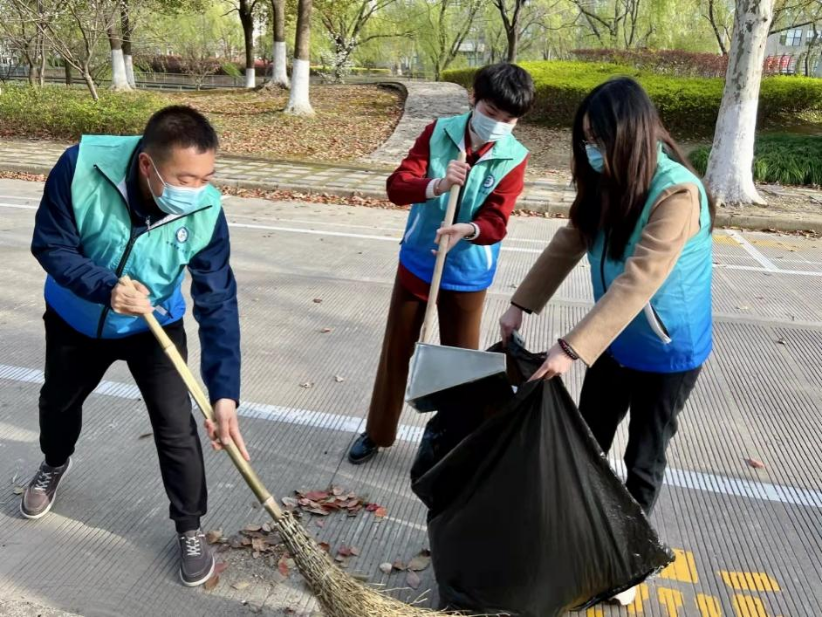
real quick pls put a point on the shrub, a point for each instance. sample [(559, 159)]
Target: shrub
[(686, 104), (662, 61), (779, 159), (68, 113)]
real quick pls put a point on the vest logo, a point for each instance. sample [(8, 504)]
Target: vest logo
[(182, 235), (489, 182)]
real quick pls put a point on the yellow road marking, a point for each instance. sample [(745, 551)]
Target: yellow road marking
[(749, 581), (708, 606), (671, 599), (747, 606), (642, 594), (683, 569)]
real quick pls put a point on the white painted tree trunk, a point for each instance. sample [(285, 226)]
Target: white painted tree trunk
[(119, 79), (250, 78), (299, 103), (129, 60), (280, 75), (730, 166)]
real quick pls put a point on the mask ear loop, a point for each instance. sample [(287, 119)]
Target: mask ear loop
[(156, 171)]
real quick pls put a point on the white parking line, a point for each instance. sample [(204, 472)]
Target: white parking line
[(693, 480), (753, 251)]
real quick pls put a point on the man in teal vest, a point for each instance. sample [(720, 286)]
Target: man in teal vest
[(492, 179), (142, 208)]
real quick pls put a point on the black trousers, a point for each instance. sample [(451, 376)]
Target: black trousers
[(75, 365), (655, 400)]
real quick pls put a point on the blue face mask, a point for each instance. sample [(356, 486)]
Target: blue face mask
[(176, 200), (488, 129), (595, 158)]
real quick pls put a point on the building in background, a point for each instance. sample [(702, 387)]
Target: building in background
[(795, 52)]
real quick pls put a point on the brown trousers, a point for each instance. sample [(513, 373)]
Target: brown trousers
[(460, 315)]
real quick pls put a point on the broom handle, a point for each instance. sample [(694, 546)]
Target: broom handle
[(427, 332), (250, 477)]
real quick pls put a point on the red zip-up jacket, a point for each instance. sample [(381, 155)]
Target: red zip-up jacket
[(408, 184)]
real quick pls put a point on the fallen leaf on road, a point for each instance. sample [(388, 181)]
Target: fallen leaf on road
[(386, 568), (220, 567), (320, 523), (752, 462), (339, 379), (421, 561), (381, 512), (267, 527), (781, 341), (212, 583), (259, 545), (289, 502), (327, 330), (214, 536), (325, 546), (355, 551), (316, 495), (318, 300), (19, 490), (282, 567), (399, 565), (413, 580), (253, 528), (307, 385), (241, 585), (145, 435)]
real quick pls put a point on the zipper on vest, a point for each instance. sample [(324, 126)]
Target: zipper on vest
[(130, 246), (602, 262)]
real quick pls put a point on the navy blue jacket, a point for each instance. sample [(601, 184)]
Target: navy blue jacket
[(58, 248)]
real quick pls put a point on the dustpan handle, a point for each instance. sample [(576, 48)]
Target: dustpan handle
[(427, 331)]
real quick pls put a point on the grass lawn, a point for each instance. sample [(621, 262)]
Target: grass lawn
[(350, 122)]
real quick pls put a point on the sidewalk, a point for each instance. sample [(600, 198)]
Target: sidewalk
[(367, 179)]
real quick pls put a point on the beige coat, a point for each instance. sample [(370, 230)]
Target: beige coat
[(674, 220)]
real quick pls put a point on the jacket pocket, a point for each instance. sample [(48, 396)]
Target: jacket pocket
[(656, 324)]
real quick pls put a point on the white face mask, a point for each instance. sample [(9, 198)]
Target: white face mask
[(488, 129)]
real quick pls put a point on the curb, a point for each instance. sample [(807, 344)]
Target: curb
[(750, 222)]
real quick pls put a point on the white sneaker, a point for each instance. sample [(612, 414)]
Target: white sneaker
[(626, 598)]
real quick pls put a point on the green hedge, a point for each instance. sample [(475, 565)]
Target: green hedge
[(779, 159), (685, 103), (68, 113)]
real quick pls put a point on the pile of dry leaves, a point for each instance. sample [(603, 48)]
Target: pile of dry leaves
[(333, 499)]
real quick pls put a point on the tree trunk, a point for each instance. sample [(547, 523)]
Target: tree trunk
[(92, 88), (720, 39), (280, 72), (513, 43), (119, 77), (67, 69), (247, 20), (125, 26), (42, 71), (730, 166), (299, 103)]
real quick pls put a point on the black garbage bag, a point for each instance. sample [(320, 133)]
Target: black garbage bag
[(526, 516)]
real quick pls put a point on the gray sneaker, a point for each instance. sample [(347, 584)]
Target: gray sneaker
[(196, 559), (39, 496)]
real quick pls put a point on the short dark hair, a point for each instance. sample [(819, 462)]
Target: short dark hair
[(507, 86), (178, 126)]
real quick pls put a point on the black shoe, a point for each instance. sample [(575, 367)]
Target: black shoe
[(363, 450), (41, 492), (196, 559)]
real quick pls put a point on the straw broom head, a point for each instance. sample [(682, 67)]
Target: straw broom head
[(339, 594)]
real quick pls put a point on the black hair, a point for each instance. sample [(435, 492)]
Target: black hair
[(507, 86), (626, 126), (178, 126)]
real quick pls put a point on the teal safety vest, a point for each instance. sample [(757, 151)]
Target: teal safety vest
[(674, 331), (157, 257), (468, 267)]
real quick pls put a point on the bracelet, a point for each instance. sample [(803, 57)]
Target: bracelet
[(567, 349)]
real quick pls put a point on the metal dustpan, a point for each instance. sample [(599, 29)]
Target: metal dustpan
[(436, 368)]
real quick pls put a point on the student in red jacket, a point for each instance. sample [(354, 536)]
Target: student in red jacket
[(491, 179)]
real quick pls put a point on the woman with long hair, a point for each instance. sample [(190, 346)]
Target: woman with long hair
[(644, 219)]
